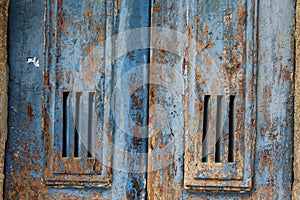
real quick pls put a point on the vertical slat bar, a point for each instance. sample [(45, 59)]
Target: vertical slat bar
[(83, 134), (98, 118), (96, 140), (219, 127), (71, 126), (107, 128), (97, 133), (225, 130), (91, 124), (198, 129), (211, 133)]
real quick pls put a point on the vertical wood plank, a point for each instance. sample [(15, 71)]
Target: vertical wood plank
[(273, 164), (296, 184), (166, 126), (130, 93)]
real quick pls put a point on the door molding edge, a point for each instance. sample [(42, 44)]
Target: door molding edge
[(296, 184)]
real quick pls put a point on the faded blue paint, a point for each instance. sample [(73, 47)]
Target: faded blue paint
[(26, 153), (25, 94), (76, 29)]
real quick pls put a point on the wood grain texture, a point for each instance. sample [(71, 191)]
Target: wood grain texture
[(69, 36), (3, 87), (165, 149), (296, 184), (273, 150), (26, 150)]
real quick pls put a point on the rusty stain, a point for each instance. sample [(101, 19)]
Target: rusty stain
[(46, 79), (68, 77), (118, 6), (171, 181), (233, 77), (157, 9), (59, 4), (29, 112), (55, 163), (89, 13), (100, 38)]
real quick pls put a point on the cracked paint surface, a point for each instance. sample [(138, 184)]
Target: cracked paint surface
[(72, 30)]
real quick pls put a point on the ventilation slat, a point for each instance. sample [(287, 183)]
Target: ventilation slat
[(68, 126), (219, 109), (80, 125), (71, 126), (211, 137), (219, 129), (218, 140), (78, 118), (225, 131), (91, 126), (83, 134)]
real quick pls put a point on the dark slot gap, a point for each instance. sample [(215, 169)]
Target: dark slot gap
[(231, 129), (77, 119), (91, 124), (219, 127), (205, 129), (65, 124)]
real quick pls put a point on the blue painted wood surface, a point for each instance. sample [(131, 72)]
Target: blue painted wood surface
[(26, 148)]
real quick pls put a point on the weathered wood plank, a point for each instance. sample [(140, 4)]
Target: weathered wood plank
[(165, 161), (274, 149), (296, 184)]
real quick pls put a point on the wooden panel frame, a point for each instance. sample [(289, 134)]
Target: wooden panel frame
[(68, 172), (216, 177)]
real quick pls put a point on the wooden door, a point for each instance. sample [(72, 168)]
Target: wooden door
[(150, 99)]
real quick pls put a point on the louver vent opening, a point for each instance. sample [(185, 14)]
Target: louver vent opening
[(77, 96), (215, 117), (220, 98), (79, 131)]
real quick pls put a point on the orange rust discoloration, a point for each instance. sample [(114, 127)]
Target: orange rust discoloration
[(100, 38), (90, 48), (157, 8), (232, 73), (162, 183), (79, 26), (89, 13), (242, 15), (81, 171), (29, 112), (60, 23), (46, 79), (68, 77), (27, 186), (59, 4)]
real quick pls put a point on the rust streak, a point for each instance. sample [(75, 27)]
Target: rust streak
[(29, 112)]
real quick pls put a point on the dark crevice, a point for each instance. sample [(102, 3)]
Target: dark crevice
[(65, 124), (231, 129), (205, 128)]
